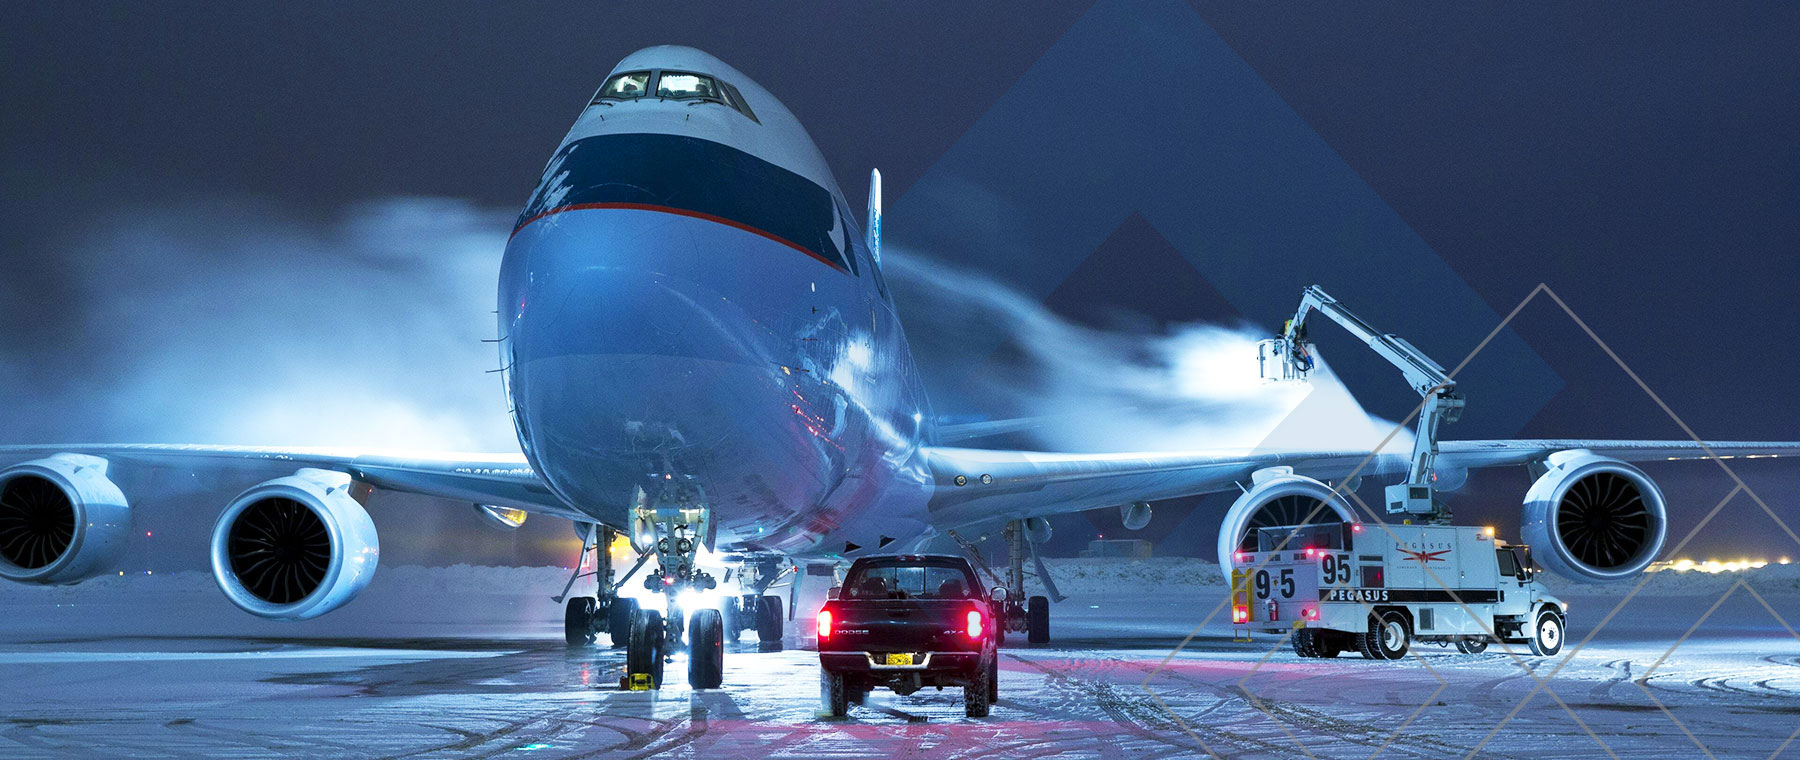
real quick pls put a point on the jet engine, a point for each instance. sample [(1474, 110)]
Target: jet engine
[(1135, 515), (1592, 518), (1037, 530), (61, 520), (295, 548), (1277, 497)]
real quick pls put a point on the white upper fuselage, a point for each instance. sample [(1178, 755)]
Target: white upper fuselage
[(688, 301)]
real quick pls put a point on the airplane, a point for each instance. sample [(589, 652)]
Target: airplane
[(701, 354)]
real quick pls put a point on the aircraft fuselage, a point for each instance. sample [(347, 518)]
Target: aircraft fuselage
[(687, 298)]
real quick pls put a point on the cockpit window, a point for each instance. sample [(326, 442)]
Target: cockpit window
[(675, 84), (625, 86)]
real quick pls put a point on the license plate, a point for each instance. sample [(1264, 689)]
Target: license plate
[(899, 659)]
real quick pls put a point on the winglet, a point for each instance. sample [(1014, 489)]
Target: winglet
[(874, 233)]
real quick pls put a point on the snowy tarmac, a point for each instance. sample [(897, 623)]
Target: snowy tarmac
[(190, 682)]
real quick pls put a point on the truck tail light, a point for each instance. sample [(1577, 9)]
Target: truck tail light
[(1239, 556), (1240, 613), (974, 624), (824, 624), (1310, 613), (1311, 552)]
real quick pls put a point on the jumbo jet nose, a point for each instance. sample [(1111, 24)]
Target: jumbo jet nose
[(637, 349)]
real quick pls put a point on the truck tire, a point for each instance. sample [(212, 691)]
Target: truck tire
[(706, 649), (833, 696), (731, 614), (618, 620), (1328, 643), (978, 694), (644, 653), (578, 620), (1037, 620), (994, 679), (768, 622), (1472, 644), (1304, 641), (1387, 637), (1547, 637)]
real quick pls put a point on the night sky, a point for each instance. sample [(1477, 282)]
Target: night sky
[(203, 199)]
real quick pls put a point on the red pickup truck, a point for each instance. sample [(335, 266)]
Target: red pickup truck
[(906, 622)]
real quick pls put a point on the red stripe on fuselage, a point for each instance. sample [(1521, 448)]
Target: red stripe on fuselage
[(686, 213)]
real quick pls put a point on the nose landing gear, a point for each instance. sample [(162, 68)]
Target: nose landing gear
[(672, 521)]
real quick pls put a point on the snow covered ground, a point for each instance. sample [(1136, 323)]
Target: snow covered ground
[(467, 662)]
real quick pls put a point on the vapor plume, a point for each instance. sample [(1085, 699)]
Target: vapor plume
[(1191, 387), (236, 323)]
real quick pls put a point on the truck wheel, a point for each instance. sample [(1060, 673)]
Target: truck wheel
[(768, 622), (978, 694), (731, 614), (1548, 639), (1327, 643), (578, 620), (857, 695), (618, 620), (1387, 637), (644, 653), (1472, 644), (1304, 641), (706, 649), (1037, 621), (832, 694)]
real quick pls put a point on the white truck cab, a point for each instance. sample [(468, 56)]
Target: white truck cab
[(1375, 589)]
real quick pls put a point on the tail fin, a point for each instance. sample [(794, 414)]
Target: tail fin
[(874, 233)]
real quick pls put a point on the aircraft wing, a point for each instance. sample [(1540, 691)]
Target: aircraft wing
[(1016, 484), (503, 480)]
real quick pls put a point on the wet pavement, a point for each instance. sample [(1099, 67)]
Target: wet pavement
[(1103, 689)]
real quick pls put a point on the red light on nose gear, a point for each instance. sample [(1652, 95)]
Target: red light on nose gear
[(974, 624), (1240, 614), (824, 624)]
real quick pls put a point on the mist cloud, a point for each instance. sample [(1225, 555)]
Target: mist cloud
[(1194, 386), (236, 323)]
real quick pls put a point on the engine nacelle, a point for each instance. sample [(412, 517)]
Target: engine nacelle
[(61, 520), (1135, 515), (296, 547), (1276, 497), (1037, 530), (1592, 518)]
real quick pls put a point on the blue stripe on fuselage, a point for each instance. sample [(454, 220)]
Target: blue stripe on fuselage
[(696, 177)]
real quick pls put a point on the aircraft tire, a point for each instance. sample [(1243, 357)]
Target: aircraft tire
[(706, 649), (618, 620), (1037, 620), (732, 615), (644, 654), (578, 620), (768, 622)]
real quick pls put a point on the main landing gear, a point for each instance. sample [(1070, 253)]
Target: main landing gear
[(758, 611), (1018, 614), (586, 616)]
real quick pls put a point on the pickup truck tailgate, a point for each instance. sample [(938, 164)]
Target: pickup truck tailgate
[(886, 625)]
